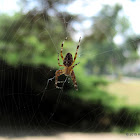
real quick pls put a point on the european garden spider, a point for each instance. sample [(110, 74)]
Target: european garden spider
[(68, 66)]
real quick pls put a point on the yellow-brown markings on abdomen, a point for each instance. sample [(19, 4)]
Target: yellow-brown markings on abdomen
[(67, 71)]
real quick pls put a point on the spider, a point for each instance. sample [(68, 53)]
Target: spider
[(68, 64)]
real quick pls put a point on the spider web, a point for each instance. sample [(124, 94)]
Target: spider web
[(82, 53)]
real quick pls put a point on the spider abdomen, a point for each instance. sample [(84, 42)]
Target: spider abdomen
[(68, 60)]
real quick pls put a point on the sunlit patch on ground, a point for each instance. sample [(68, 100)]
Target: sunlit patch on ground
[(128, 89), (76, 136)]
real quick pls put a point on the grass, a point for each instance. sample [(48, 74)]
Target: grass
[(128, 89)]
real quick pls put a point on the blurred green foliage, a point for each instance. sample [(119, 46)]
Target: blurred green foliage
[(105, 56), (27, 39)]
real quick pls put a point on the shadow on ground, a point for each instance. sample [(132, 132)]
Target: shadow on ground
[(27, 108)]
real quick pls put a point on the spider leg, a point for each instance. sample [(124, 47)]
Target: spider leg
[(75, 65), (60, 81), (57, 74), (74, 80), (77, 50), (62, 49), (59, 61)]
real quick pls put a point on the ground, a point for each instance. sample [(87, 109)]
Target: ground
[(126, 88), (76, 136)]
